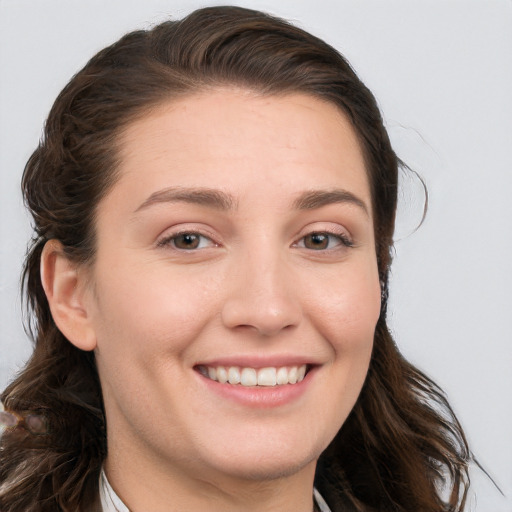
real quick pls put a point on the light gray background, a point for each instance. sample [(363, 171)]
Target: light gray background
[(442, 73)]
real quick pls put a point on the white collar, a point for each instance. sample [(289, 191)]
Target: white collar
[(320, 502), (111, 502)]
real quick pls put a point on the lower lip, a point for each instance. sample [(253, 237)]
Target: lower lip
[(259, 396)]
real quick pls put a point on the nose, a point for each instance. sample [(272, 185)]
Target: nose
[(262, 296)]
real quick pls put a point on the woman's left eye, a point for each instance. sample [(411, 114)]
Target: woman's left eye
[(187, 241), (320, 241)]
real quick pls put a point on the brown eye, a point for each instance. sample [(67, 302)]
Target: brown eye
[(321, 241), (317, 241), (187, 241)]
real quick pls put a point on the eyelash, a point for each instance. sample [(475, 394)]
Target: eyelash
[(171, 240), (343, 239)]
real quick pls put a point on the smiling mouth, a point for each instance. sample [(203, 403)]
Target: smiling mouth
[(252, 377)]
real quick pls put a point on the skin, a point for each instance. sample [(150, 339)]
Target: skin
[(255, 287)]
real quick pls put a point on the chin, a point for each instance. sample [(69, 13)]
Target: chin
[(266, 471), (267, 463)]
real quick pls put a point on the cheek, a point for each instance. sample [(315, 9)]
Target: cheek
[(347, 310), (345, 314), (151, 312)]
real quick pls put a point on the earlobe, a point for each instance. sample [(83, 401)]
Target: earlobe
[(65, 288)]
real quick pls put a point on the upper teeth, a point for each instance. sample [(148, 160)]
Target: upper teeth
[(269, 376)]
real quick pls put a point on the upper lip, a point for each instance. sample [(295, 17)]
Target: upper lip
[(259, 361)]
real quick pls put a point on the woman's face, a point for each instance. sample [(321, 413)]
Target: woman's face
[(237, 244)]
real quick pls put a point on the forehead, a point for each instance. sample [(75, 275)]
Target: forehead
[(229, 138)]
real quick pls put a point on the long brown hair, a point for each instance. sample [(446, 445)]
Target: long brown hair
[(401, 448)]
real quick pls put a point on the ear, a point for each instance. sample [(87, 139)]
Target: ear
[(65, 288)]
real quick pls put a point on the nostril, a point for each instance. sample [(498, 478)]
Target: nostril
[(265, 321), (263, 303)]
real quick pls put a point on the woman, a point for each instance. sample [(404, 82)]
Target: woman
[(214, 203)]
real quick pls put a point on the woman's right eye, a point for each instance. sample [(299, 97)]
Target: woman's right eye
[(187, 241)]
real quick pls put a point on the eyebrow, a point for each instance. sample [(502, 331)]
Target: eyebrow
[(202, 196), (313, 199), (222, 201)]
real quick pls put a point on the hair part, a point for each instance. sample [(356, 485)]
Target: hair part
[(400, 444)]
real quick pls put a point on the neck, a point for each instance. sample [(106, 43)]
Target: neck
[(163, 488), (141, 491)]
